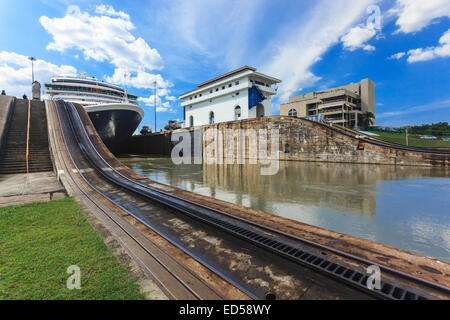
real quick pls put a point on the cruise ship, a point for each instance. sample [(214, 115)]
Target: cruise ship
[(114, 112)]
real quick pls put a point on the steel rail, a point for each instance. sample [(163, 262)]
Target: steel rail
[(389, 143), (167, 195), (196, 257), (121, 207), (370, 139), (379, 142)]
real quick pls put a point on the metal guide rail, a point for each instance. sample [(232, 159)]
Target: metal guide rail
[(179, 282), (379, 142), (330, 262)]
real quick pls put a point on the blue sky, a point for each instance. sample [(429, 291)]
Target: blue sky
[(402, 45)]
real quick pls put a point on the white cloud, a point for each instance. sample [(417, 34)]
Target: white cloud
[(429, 53), (368, 47), (171, 98), (109, 10), (150, 100), (106, 37), (15, 72), (203, 26), (160, 105), (307, 40), (357, 37), (397, 56), (444, 104), (414, 15), (140, 80), (420, 54)]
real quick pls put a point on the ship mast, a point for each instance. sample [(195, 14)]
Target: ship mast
[(125, 85)]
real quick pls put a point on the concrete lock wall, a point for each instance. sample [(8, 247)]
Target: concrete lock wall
[(299, 140), (303, 140), (157, 144)]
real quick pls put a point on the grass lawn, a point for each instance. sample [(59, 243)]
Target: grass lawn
[(39, 241), (413, 141)]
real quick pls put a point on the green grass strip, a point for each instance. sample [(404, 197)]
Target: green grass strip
[(39, 241)]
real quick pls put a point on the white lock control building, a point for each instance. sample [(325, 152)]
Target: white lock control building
[(240, 94)]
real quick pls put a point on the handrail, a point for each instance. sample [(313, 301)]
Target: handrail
[(28, 133)]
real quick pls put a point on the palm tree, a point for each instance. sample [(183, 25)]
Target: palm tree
[(368, 119)]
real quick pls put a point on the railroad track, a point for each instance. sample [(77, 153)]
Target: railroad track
[(154, 206), (176, 281)]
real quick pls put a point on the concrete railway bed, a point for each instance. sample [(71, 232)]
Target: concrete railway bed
[(195, 247)]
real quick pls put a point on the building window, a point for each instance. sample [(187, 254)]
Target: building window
[(287, 148), (191, 121), (237, 113), (211, 117), (292, 113), (259, 111)]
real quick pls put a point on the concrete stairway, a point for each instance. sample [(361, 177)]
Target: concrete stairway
[(14, 155), (39, 153)]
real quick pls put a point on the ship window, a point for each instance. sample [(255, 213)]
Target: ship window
[(217, 89), (223, 88), (237, 83), (200, 94), (191, 121), (229, 86), (210, 91), (211, 117)]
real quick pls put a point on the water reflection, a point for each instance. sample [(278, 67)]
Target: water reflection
[(405, 207)]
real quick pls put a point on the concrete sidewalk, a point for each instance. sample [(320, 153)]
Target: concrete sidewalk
[(40, 186)]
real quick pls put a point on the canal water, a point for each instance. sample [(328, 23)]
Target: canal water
[(404, 207)]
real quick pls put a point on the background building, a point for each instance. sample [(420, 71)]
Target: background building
[(240, 94), (345, 105)]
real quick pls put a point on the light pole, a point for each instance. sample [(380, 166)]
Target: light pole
[(154, 82), (33, 59)]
